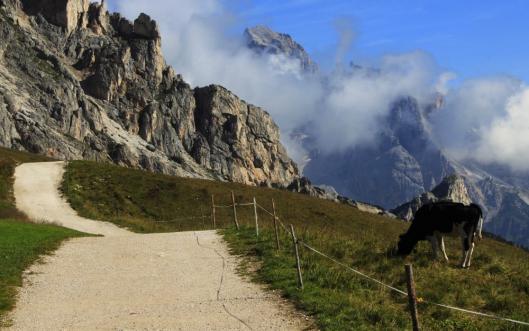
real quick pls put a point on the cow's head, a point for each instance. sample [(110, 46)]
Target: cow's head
[(405, 245)]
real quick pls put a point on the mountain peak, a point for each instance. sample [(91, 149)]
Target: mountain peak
[(262, 39)]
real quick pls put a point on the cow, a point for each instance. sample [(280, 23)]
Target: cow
[(434, 220)]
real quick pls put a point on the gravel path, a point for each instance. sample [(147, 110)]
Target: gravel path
[(125, 281), (37, 194)]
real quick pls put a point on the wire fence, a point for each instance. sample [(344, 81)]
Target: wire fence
[(414, 300), (179, 219)]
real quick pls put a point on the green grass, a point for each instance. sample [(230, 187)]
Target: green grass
[(497, 283), (21, 243)]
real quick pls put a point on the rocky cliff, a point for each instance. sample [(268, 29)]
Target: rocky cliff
[(77, 82)]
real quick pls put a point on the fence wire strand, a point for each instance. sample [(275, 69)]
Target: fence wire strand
[(283, 226), (223, 206), (182, 219), (244, 204), (476, 313), (264, 209), (351, 269)]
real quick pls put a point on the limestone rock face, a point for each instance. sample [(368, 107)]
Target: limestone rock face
[(79, 83), (68, 14), (145, 27), (264, 40), (452, 188), (235, 135)]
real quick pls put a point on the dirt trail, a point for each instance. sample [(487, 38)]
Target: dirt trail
[(175, 281), (37, 195)]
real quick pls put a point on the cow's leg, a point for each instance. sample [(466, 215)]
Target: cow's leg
[(441, 242), (435, 245), (469, 255), (466, 249)]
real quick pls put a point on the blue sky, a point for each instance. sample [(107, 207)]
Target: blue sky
[(472, 38)]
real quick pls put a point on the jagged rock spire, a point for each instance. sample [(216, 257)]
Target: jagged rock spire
[(65, 13)]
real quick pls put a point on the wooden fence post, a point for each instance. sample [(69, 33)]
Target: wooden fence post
[(298, 262), (412, 297), (255, 214), (234, 210), (203, 218), (213, 212), (275, 224)]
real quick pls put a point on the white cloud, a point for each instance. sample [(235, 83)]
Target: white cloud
[(507, 139), (469, 111), (353, 110)]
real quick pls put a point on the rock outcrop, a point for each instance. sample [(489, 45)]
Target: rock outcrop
[(262, 39), (69, 14), (77, 82), (304, 186), (452, 188)]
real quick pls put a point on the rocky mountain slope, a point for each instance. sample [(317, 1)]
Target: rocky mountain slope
[(399, 167), (77, 82)]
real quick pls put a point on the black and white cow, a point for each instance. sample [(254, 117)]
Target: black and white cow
[(434, 220)]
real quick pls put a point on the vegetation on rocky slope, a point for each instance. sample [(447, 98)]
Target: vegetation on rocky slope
[(496, 283), (21, 243)]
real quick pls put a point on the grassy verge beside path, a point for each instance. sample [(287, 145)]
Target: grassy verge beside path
[(21, 243)]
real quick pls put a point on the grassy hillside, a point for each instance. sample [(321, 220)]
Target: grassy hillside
[(339, 300), (21, 243)]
